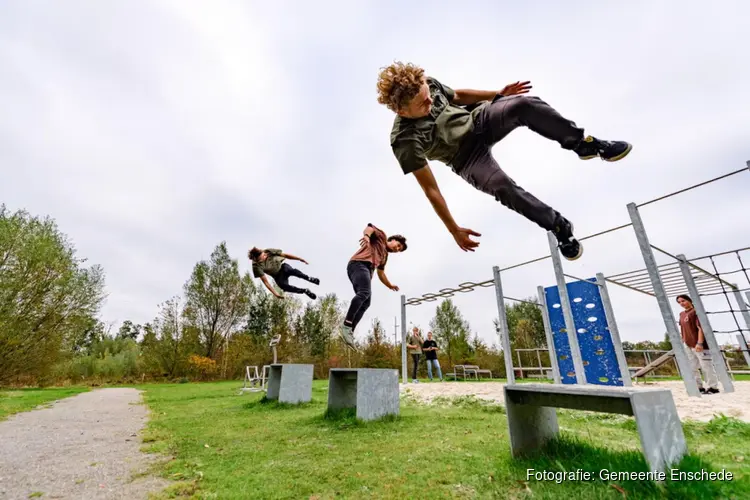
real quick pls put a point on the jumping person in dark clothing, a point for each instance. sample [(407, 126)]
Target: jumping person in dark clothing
[(271, 262), (372, 255), (459, 128)]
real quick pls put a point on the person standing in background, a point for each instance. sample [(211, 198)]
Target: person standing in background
[(414, 344), (430, 349)]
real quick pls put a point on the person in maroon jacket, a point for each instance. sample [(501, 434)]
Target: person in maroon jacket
[(372, 254), (697, 351)]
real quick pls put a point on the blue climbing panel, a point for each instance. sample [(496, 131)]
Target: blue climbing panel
[(594, 339)]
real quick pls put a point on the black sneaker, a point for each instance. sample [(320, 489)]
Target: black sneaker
[(702, 390), (712, 390), (310, 294), (569, 247), (315, 281), (591, 147)]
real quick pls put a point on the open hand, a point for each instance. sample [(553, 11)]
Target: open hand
[(462, 237), (394, 288), (364, 241), (516, 88)]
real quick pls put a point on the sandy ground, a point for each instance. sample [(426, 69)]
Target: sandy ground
[(736, 404), (86, 446)]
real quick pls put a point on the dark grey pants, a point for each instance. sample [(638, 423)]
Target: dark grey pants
[(475, 164), (282, 278)]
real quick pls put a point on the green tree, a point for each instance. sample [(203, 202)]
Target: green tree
[(217, 300), (47, 296), (531, 333), (169, 340), (310, 329), (128, 330), (452, 331), (377, 352)]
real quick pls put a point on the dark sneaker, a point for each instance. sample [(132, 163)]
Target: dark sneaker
[(346, 334), (315, 281), (591, 147), (712, 390), (569, 247), (701, 390), (310, 294)]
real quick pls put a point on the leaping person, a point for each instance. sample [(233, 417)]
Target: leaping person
[(372, 254), (459, 128), (271, 262)]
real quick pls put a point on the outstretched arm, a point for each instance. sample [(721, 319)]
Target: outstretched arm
[(464, 97), (384, 279), (430, 187), (264, 279), (293, 257)]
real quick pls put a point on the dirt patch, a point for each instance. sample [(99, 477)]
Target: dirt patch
[(736, 404), (86, 446)]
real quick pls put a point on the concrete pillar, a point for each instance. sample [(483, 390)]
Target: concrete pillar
[(614, 332), (548, 333), (503, 327), (570, 327), (404, 370), (664, 306), (708, 332)]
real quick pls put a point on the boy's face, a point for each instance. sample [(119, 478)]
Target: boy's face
[(394, 246), (263, 257), (429, 336), (420, 105)]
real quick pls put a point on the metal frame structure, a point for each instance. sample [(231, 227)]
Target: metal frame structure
[(251, 380), (658, 281)]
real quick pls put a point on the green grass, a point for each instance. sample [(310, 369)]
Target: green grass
[(18, 400), (230, 446)]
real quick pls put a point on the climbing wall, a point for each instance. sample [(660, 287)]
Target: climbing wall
[(594, 339)]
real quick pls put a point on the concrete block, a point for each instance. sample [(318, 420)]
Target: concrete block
[(290, 383), (659, 428), (372, 391), (532, 417)]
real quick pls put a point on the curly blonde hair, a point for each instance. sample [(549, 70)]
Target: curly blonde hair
[(398, 84)]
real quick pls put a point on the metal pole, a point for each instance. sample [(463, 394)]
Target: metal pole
[(614, 332), (539, 360), (548, 334), (746, 317), (742, 305), (570, 327), (503, 327), (717, 358), (403, 339), (743, 346), (661, 297)]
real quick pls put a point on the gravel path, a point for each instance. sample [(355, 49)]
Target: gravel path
[(86, 446)]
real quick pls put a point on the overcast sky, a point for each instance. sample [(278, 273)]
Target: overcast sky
[(154, 130)]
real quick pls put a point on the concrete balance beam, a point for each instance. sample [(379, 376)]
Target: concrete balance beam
[(532, 418)]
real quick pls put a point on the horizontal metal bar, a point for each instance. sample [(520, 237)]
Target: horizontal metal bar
[(744, 169)]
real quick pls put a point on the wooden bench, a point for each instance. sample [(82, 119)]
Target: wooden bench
[(532, 418)]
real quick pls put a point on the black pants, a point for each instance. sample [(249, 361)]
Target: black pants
[(415, 359), (360, 274), (282, 278), (475, 164)]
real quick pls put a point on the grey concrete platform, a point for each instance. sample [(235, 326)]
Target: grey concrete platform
[(290, 383), (372, 391), (532, 418)]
